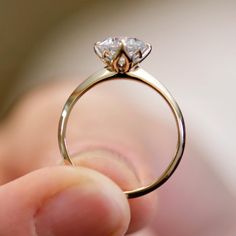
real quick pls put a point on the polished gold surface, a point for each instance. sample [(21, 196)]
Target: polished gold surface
[(135, 74)]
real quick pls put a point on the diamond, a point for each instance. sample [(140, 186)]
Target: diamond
[(108, 48), (133, 45), (120, 54), (121, 61), (137, 49)]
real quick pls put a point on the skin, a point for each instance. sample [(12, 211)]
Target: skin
[(109, 140), (39, 195)]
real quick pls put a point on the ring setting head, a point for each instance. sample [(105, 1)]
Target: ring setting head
[(121, 54)]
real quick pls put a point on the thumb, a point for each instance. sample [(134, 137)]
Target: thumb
[(63, 201)]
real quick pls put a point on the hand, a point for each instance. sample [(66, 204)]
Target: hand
[(40, 196)]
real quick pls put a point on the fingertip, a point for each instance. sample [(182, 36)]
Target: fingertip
[(125, 176), (64, 201), (84, 210)]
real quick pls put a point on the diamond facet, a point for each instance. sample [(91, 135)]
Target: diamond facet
[(108, 48), (133, 45), (120, 54)]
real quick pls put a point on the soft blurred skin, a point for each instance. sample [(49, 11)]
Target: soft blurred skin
[(55, 200), (23, 200)]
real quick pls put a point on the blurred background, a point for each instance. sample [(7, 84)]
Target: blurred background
[(194, 55)]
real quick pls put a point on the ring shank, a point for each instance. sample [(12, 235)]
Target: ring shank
[(143, 76)]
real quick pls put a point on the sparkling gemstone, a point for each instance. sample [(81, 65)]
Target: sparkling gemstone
[(108, 48), (137, 49), (121, 61), (122, 51), (133, 45)]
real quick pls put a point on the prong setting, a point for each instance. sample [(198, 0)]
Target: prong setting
[(121, 54)]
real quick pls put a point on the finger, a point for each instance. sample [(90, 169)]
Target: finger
[(142, 208), (121, 171), (63, 201)]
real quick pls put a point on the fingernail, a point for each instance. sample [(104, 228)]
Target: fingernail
[(111, 164), (87, 209)]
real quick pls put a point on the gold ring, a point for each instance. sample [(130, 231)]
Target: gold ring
[(122, 56)]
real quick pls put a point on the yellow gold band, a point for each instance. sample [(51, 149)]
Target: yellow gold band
[(136, 74)]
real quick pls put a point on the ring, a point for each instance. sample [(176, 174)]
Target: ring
[(122, 56)]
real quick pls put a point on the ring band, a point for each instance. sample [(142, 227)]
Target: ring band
[(122, 56)]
